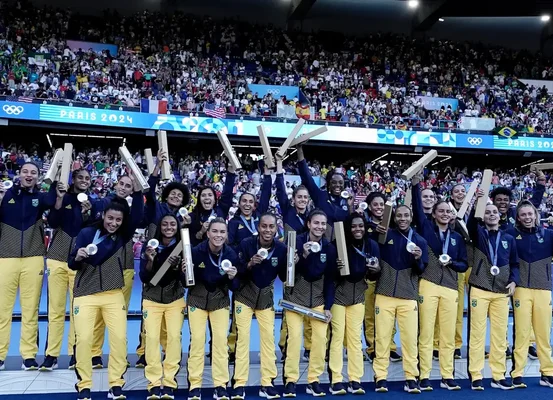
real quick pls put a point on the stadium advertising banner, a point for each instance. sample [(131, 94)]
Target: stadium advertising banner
[(275, 90), (180, 123), (436, 103), (75, 45)]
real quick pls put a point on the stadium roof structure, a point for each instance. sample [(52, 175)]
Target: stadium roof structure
[(485, 16), (427, 12)]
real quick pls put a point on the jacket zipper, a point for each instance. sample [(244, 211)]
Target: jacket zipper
[(442, 277), (529, 263), (22, 224)]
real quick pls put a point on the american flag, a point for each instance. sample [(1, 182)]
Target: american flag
[(220, 89), (215, 112), (19, 99)]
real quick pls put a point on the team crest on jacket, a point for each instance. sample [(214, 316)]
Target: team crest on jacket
[(145, 314), (323, 257), (76, 310), (453, 242), (474, 303), (35, 203), (517, 303), (377, 310), (238, 309), (505, 244), (274, 261)]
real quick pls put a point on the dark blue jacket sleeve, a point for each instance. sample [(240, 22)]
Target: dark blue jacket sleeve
[(461, 264), (80, 242), (472, 227), (418, 210), (225, 202), (309, 182), (55, 217), (281, 194), (420, 265), (514, 274), (137, 213), (265, 197), (329, 288), (145, 275), (234, 284), (537, 195), (242, 264)]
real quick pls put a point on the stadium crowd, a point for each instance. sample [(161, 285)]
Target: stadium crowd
[(201, 169), (242, 209), (197, 63)]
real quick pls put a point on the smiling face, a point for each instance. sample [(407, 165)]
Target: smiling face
[(81, 182), (442, 214), (28, 176), (458, 194), (527, 216), (491, 216), (428, 199), (217, 234), (247, 204), (317, 226), (301, 199), (403, 218), (168, 227), (267, 228), (175, 197), (502, 202), (357, 228), (124, 187), (113, 219), (336, 184), (207, 199), (376, 208)]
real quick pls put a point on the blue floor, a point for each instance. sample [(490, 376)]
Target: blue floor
[(395, 393)]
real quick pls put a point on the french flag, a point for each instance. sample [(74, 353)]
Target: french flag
[(153, 106)]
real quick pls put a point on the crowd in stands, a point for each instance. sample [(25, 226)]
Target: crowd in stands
[(196, 63), (202, 169)]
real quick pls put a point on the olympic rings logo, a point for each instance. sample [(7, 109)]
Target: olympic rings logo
[(273, 91), (474, 141), (15, 110)]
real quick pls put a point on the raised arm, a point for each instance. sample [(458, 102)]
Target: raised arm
[(538, 191), (314, 191), (265, 191), (225, 202), (416, 201), (48, 200)]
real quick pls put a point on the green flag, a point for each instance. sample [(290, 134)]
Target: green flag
[(506, 131)]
